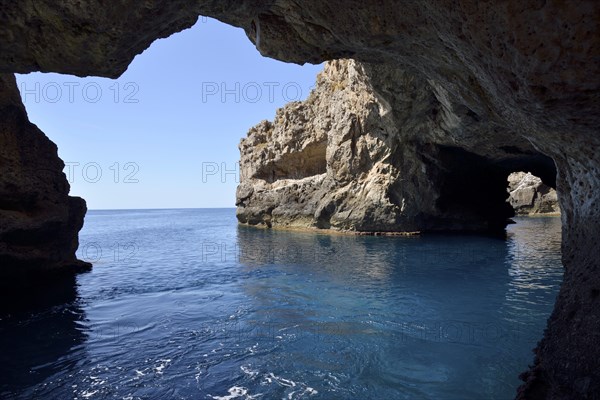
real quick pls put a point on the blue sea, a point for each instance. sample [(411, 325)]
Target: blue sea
[(186, 304)]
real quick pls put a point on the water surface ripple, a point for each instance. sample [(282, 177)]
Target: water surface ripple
[(184, 304)]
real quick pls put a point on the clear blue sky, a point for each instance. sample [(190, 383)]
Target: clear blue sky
[(163, 133)]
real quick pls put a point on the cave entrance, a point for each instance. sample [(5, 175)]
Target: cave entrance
[(473, 188), (176, 119)]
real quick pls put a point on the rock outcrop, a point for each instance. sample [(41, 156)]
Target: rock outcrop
[(363, 154), (524, 72), (528, 195), (39, 222), (323, 163)]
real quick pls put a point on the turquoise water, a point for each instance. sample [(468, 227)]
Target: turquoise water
[(184, 304)]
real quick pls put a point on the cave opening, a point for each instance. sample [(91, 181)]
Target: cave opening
[(176, 118), (475, 189), (540, 82)]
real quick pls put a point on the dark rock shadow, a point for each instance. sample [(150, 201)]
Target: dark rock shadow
[(39, 326)]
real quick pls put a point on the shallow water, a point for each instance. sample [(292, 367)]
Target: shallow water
[(184, 304)]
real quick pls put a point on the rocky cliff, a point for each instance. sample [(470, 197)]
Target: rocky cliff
[(519, 73), (39, 222), (363, 154), (325, 162), (528, 195)]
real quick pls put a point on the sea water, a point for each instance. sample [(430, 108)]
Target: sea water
[(186, 304)]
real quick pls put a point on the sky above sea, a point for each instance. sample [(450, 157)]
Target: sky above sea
[(165, 134)]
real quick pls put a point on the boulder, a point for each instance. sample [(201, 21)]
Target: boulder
[(528, 195)]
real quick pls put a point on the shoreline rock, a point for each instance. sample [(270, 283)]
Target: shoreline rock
[(361, 155), (39, 221)]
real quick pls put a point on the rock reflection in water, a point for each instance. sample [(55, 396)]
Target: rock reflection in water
[(41, 340)]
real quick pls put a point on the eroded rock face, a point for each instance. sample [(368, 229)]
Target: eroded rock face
[(85, 37), (39, 222), (526, 70), (338, 147), (375, 148), (528, 195)]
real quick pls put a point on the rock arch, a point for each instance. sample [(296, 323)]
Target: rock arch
[(528, 70)]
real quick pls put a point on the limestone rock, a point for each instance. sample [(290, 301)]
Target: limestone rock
[(39, 222), (85, 37), (362, 154), (528, 195), (507, 75)]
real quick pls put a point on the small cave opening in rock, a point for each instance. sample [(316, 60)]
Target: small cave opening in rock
[(486, 193), (307, 162)]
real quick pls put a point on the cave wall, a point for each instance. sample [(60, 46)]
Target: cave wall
[(530, 69), (566, 363)]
